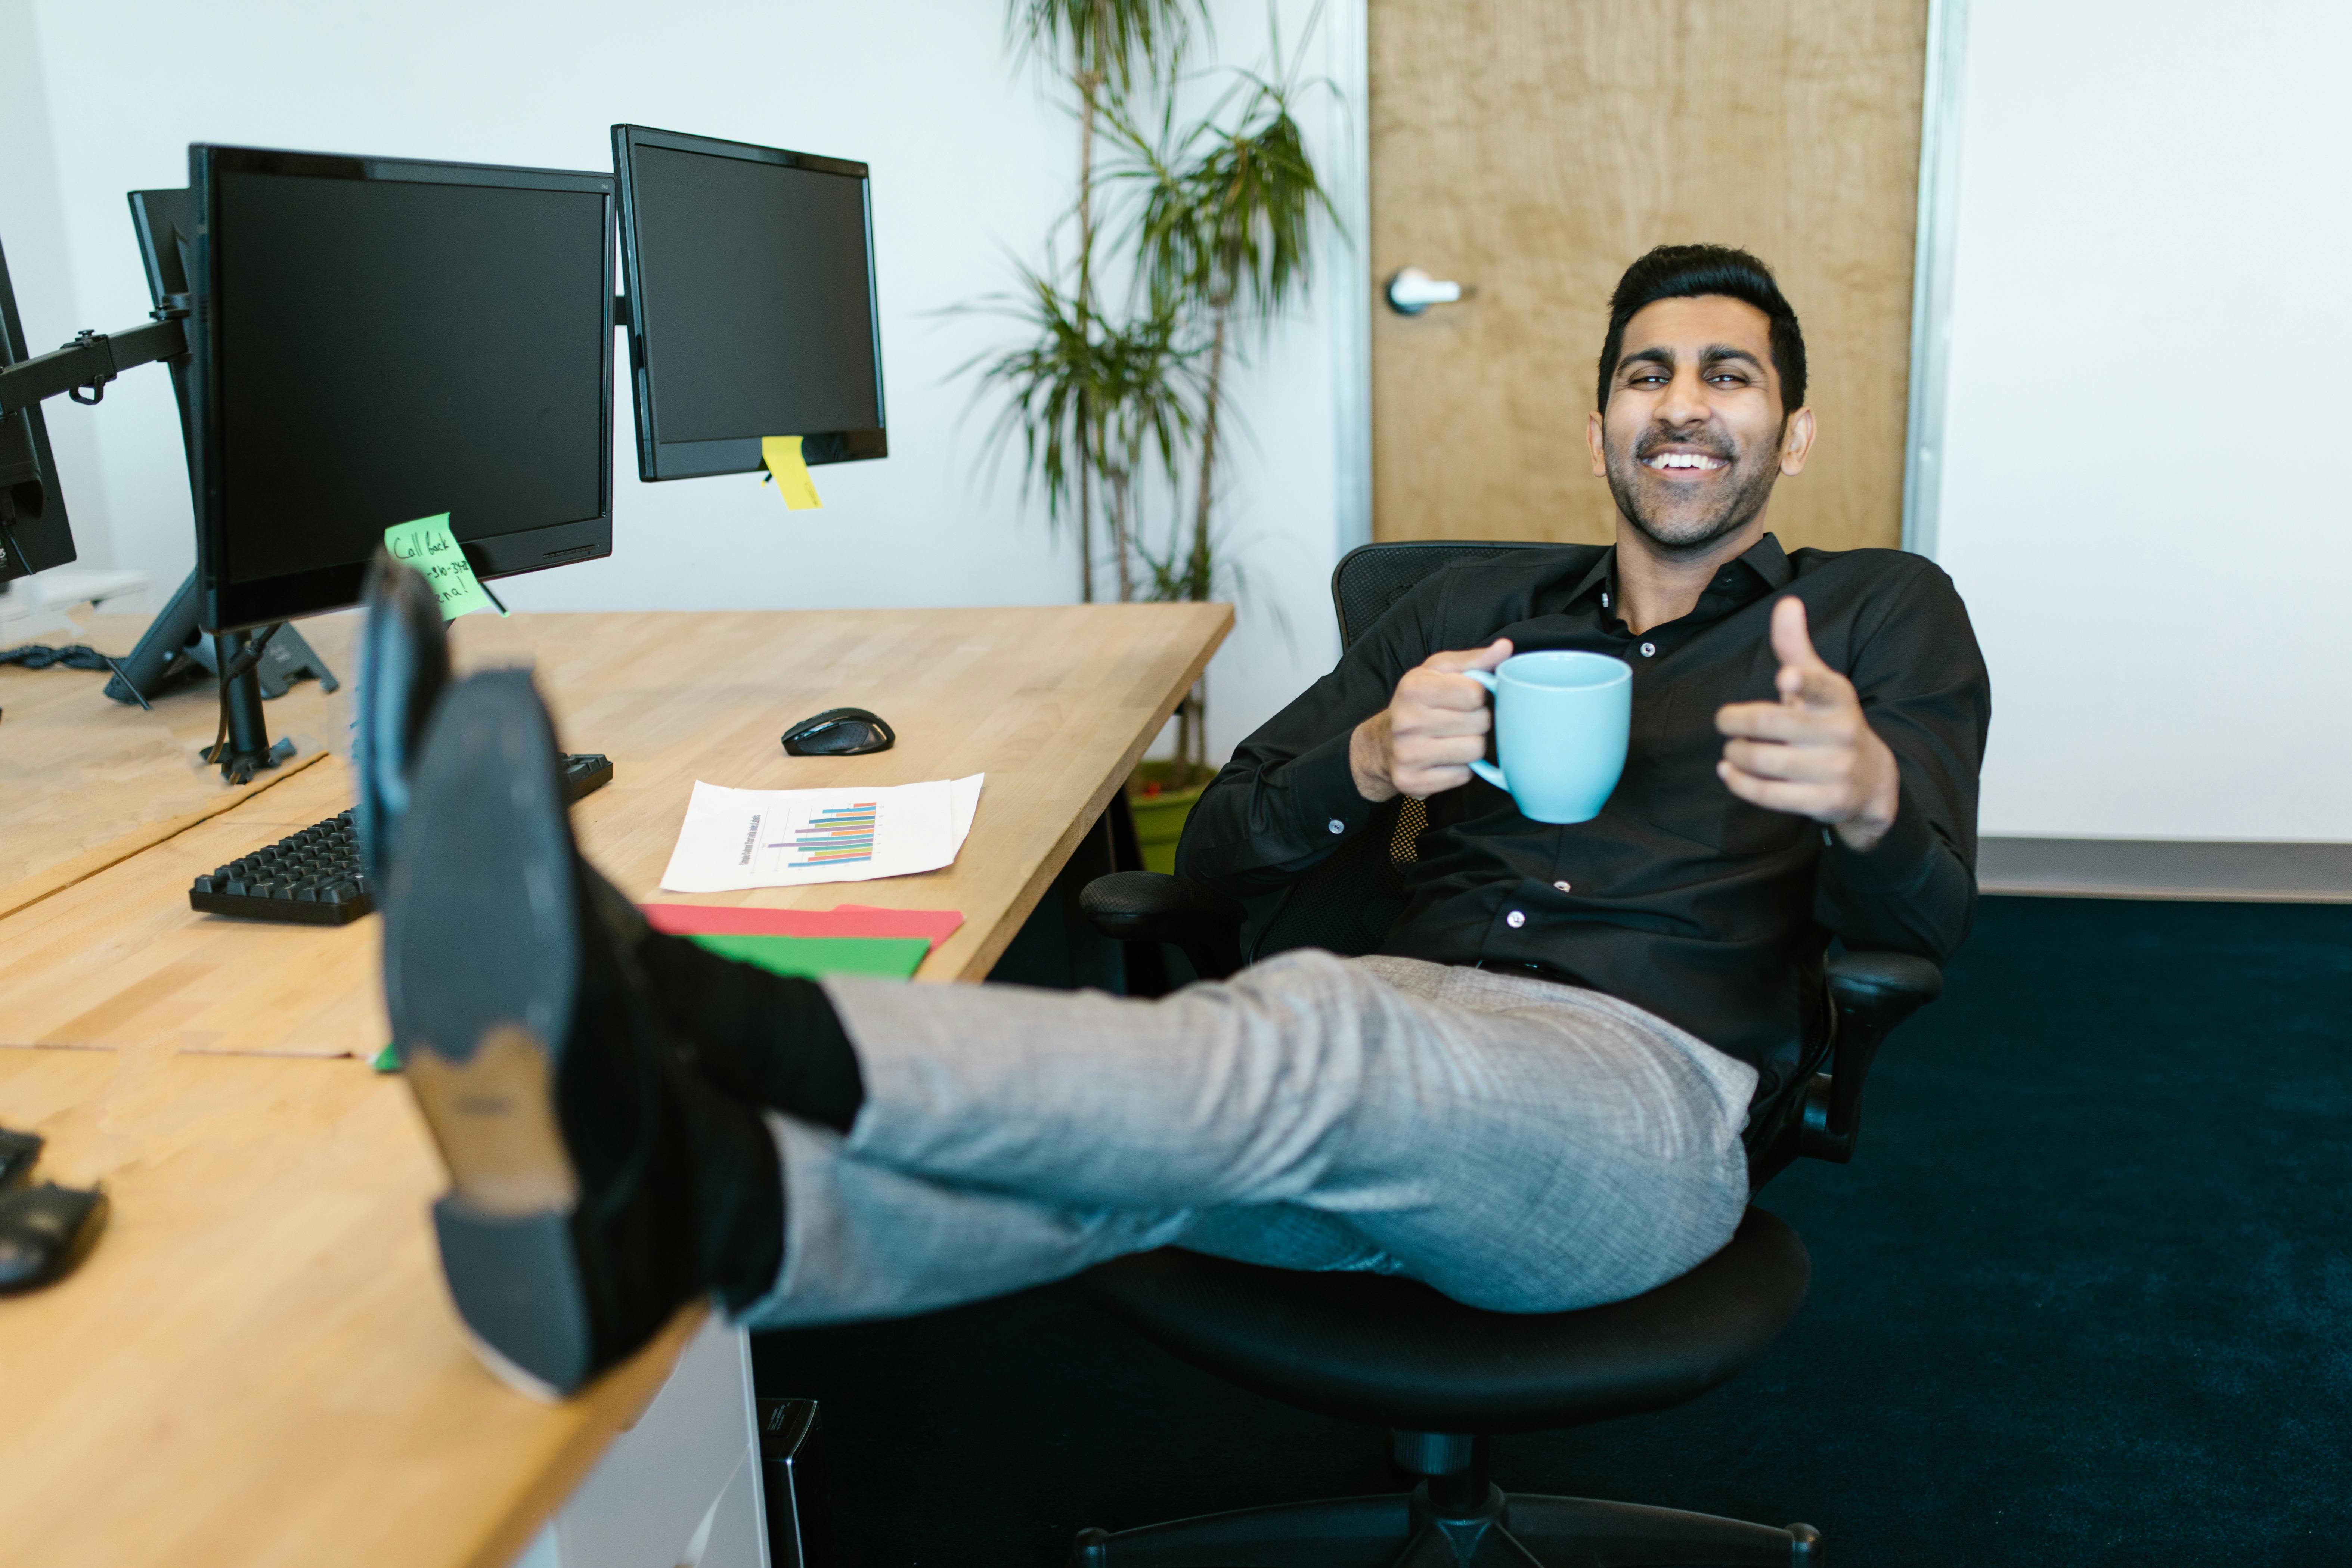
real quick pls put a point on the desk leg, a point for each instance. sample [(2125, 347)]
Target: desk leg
[(681, 1487)]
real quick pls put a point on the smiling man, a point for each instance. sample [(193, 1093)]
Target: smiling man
[(1538, 1096)]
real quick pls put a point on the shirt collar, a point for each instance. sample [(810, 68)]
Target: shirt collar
[(1764, 558), (1769, 561), (1604, 574)]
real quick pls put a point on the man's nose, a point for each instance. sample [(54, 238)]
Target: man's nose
[(1685, 402)]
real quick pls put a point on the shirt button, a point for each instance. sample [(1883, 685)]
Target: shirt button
[(1649, 648), (1563, 887), (1337, 826), (1515, 919)]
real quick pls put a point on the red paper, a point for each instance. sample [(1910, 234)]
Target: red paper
[(935, 926)]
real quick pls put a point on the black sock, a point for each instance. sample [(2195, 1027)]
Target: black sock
[(738, 1201), (772, 1039)]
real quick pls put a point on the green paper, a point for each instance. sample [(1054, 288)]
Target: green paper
[(809, 957), (815, 957), (429, 546)]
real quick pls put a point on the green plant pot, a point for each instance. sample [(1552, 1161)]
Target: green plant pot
[(1159, 823)]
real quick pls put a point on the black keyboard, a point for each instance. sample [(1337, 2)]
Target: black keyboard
[(313, 876)]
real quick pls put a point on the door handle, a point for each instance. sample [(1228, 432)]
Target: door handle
[(1410, 291)]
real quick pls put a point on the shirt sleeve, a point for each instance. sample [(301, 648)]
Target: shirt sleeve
[(1926, 693), (1288, 797)]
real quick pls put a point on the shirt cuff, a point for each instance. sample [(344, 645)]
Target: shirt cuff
[(1891, 865), (1322, 788)]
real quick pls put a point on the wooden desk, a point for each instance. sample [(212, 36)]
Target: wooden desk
[(85, 782), (259, 1365)]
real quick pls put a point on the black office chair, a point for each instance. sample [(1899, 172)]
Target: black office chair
[(1443, 1376)]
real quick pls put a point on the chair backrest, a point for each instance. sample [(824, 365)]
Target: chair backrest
[(1347, 903)]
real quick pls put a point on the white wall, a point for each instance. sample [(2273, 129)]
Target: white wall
[(970, 163), (2145, 501)]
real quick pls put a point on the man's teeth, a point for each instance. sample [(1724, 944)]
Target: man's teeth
[(1682, 460)]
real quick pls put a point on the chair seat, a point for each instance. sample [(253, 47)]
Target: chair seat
[(1393, 1353)]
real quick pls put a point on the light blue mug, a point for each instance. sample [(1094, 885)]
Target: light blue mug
[(1560, 723)]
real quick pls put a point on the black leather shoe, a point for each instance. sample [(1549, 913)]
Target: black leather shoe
[(595, 1185), (403, 658)]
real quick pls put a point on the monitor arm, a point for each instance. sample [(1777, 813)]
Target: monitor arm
[(82, 370), (85, 365)]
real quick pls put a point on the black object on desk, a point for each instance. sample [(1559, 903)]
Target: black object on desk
[(19, 1152), (43, 1232), (840, 732), (315, 877)]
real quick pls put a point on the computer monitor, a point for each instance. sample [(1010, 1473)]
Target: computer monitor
[(33, 532), (378, 340), (749, 273)]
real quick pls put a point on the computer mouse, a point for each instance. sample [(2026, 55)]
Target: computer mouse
[(840, 732)]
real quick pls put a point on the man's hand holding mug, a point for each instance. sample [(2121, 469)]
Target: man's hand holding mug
[(1434, 726)]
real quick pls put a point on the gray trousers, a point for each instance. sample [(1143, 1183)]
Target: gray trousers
[(1518, 1145)]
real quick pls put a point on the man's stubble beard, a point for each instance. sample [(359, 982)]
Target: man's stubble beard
[(1752, 475)]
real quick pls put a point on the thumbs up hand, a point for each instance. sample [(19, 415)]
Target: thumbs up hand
[(1812, 754)]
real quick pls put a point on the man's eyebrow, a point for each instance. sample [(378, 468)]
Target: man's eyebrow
[(1716, 353), (1662, 357)]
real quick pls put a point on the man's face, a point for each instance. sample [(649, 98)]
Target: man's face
[(1693, 436)]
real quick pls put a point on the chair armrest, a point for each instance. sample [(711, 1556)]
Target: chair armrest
[(1149, 906), (1871, 992)]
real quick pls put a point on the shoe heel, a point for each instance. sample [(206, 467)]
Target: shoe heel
[(517, 1285)]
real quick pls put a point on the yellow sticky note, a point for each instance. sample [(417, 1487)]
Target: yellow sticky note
[(783, 455), (429, 546)]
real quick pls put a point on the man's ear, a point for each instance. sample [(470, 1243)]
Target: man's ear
[(1599, 443), (1796, 441)]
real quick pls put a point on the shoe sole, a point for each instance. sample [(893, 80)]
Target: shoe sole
[(481, 964)]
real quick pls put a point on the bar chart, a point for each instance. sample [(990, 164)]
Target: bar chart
[(837, 836)]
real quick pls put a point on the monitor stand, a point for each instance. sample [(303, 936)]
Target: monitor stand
[(244, 748), (174, 651)]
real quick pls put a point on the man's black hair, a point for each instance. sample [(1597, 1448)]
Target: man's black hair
[(1688, 271)]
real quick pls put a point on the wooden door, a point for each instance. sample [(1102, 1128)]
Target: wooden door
[(1530, 149)]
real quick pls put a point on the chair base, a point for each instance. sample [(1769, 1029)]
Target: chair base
[(1402, 1530)]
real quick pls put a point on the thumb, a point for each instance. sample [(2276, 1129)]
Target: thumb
[(1800, 667), (1454, 660)]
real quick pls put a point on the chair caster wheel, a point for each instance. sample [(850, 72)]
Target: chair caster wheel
[(1090, 1550), (1807, 1550)]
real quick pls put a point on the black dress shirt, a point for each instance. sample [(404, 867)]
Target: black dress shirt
[(1679, 898)]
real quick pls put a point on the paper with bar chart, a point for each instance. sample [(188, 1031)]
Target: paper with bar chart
[(738, 838)]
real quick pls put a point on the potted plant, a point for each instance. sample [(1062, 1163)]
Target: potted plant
[(1214, 224)]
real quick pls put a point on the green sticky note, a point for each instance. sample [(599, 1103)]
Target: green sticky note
[(815, 957), (429, 546)]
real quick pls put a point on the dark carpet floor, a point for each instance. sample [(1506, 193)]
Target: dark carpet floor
[(2083, 1298)]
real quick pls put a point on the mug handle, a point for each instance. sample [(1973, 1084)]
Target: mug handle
[(1480, 765)]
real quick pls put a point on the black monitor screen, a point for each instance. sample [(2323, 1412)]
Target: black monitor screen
[(752, 298), (388, 348)]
